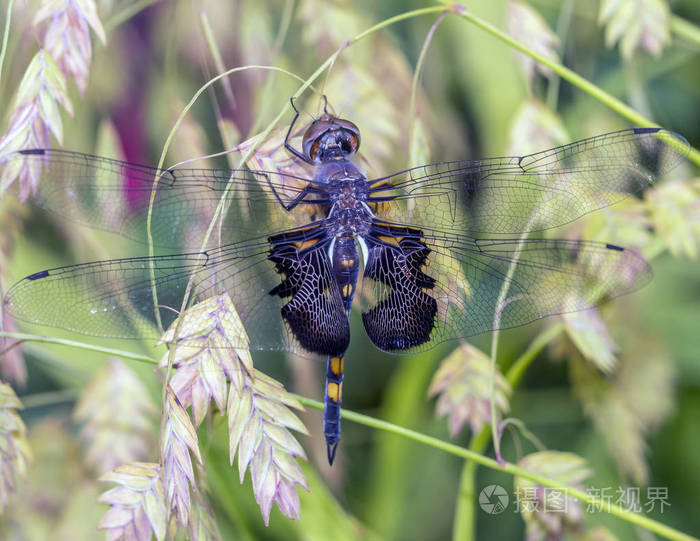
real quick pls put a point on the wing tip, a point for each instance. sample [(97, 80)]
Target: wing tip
[(38, 275), (640, 131), (670, 137)]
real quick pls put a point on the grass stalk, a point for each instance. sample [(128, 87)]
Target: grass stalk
[(215, 52), (417, 74), (685, 29)]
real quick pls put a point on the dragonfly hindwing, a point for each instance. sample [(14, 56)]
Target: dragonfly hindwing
[(403, 315), (314, 312)]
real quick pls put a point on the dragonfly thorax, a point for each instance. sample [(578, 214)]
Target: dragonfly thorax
[(348, 192)]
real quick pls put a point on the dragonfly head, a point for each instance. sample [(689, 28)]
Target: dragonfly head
[(330, 138)]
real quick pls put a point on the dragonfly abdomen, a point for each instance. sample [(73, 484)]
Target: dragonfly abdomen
[(331, 409), (346, 265)]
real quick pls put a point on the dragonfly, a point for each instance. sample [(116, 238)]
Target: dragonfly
[(438, 252)]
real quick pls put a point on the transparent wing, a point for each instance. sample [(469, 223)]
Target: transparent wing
[(114, 298), (421, 289), (114, 195), (528, 193)]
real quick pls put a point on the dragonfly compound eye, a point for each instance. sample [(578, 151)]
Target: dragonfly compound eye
[(329, 133), (349, 136)]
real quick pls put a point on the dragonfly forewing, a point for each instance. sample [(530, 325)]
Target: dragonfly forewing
[(536, 192), (114, 195)]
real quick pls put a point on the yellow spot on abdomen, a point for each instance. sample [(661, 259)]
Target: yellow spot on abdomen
[(347, 290), (337, 365), (335, 391)]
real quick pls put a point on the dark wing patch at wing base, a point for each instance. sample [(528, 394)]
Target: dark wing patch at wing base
[(405, 315), (314, 312)]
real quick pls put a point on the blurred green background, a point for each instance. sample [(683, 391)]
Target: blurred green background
[(476, 100)]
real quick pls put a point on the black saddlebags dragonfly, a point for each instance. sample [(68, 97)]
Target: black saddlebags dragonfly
[(437, 243)]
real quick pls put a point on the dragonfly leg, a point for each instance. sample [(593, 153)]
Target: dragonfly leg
[(331, 409), (287, 145), (298, 199)]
